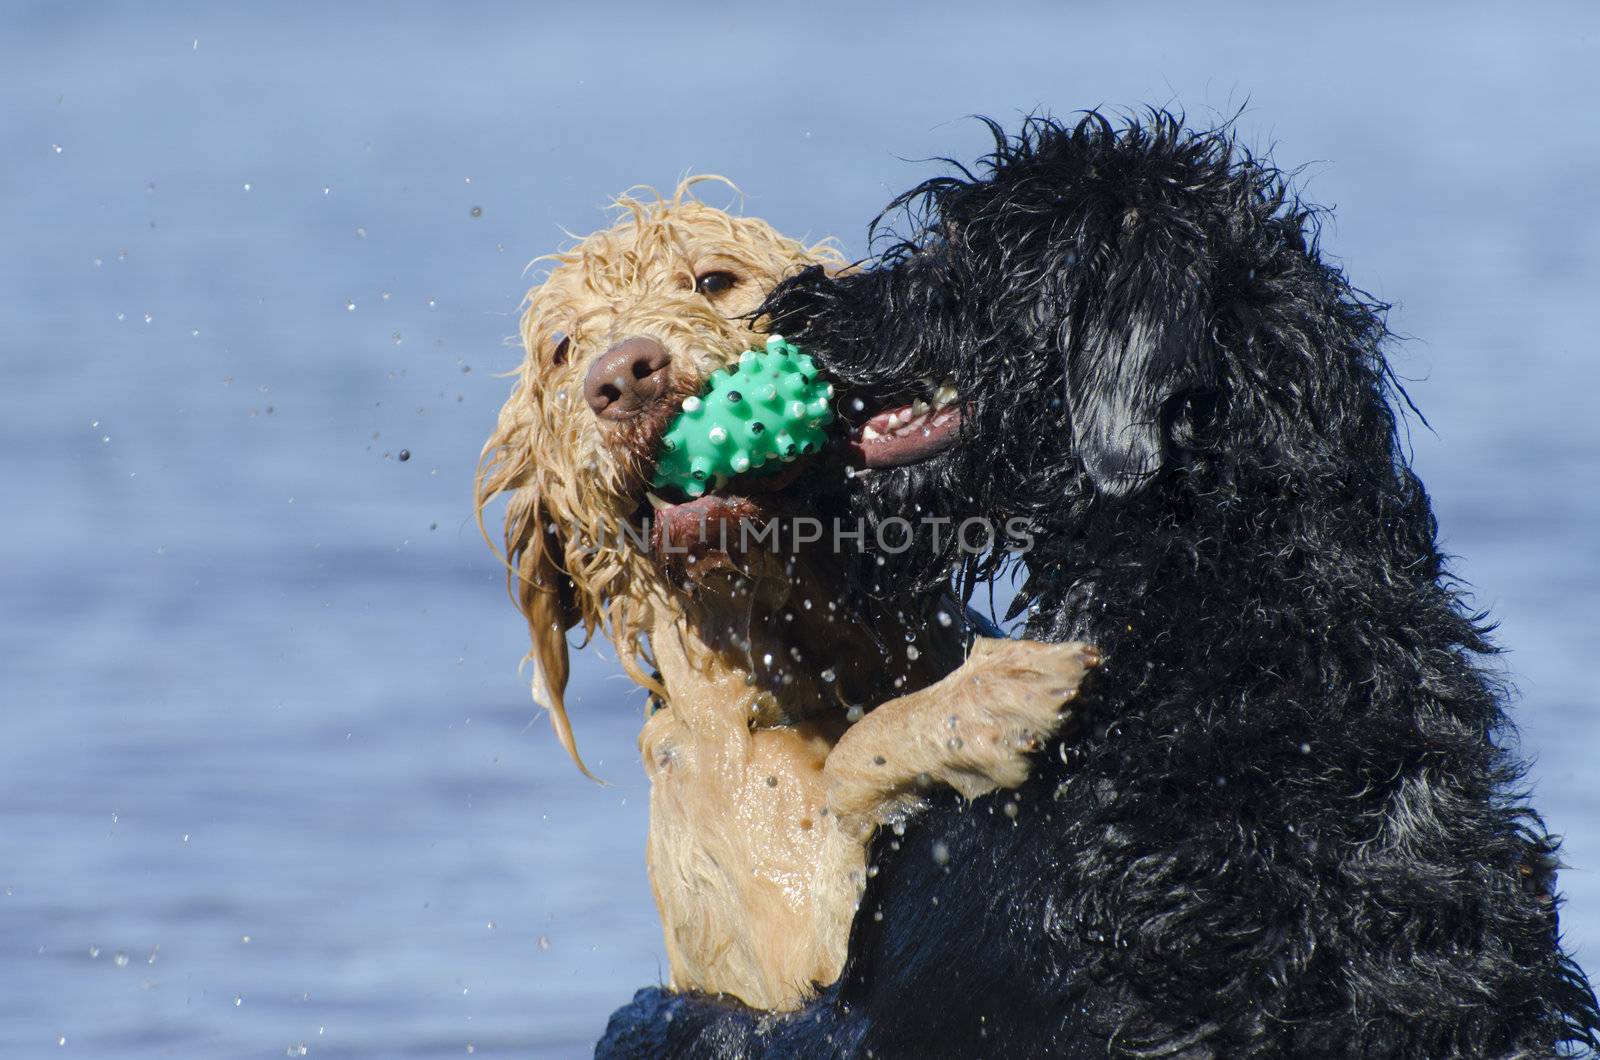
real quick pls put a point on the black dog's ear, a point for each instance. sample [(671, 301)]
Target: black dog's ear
[(1123, 364)]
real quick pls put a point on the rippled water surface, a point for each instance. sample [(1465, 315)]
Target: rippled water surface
[(269, 777)]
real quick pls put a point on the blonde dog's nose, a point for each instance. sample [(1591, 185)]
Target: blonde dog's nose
[(627, 378)]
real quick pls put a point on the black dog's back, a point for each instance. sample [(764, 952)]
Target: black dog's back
[(1290, 829)]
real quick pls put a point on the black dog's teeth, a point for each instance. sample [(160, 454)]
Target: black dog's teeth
[(932, 400)]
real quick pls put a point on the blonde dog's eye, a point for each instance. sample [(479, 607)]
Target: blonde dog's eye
[(712, 284), (558, 356)]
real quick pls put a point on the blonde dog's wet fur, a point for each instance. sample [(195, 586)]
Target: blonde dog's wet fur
[(763, 795)]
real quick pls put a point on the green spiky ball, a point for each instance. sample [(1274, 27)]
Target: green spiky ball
[(769, 410)]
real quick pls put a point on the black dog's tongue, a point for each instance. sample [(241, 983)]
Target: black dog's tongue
[(896, 437)]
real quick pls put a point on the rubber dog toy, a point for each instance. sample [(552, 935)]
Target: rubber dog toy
[(767, 411)]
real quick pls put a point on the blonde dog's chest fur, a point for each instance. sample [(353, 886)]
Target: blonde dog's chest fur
[(758, 836), (739, 838)]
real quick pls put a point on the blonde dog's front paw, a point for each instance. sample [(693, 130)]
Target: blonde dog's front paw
[(1028, 682), (1013, 695), (972, 730)]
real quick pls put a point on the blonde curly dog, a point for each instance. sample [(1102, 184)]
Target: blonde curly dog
[(766, 779)]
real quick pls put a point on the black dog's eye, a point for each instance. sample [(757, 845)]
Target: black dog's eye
[(1192, 418), (558, 356), (712, 284)]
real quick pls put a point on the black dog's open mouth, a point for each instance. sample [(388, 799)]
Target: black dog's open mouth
[(907, 433)]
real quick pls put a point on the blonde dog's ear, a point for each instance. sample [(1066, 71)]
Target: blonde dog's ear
[(541, 589), (548, 599)]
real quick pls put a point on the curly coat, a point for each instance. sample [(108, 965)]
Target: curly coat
[(1297, 828), (763, 792)]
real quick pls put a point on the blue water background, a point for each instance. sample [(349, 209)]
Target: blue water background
[(268, 774)]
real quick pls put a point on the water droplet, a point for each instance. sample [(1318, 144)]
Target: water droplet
[(1010, 809), (941, 853), (349, 306), (56, 148), (829, 675), (361, 233), (247, 187), (120, 960), (396, 337), (544, 942), (238, 1000), (477, 211), (912, 653)]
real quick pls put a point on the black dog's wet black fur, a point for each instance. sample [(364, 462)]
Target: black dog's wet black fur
[(1294, 830)]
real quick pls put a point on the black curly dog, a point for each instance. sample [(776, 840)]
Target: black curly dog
[(1293, 829)]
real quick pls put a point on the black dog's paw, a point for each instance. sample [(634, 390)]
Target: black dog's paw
[(661, 1023)]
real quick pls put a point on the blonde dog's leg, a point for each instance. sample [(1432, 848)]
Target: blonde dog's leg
[(971, 731)]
